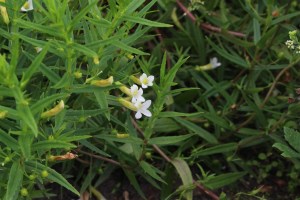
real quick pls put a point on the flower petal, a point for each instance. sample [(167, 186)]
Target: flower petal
[(151, 78), (146, 105), (138, 115), (147, 113)]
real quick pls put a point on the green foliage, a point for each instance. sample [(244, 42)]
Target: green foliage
[(67, 118)]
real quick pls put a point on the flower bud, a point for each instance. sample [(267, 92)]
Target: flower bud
[(103, 82), (77, 74), (54, 111), (122, 135), (38, 49), (125, 90), (4, 14), (44, 173), (67, 156), (24, 192), (127, 104), (3, 114), (135, 80), (129, 56), (96, 60), (32, 177)]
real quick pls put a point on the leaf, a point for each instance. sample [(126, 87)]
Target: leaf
[(216, 149), (163, 67), (34, 66), (219, 181), (146, 22), (54, 31), (149, 169), (293, 138), (26, 115), (166, 125), (9, 141), (125, 47), (15, 178), (53, 175), (130, 175), (185, 175), (102, 101), (197, 130), (256, 29), (169, 140), (81, 14), (25, 141), (131, 140), (286, 151), (285, 17), (93, 147), (51, 144), (178, 114)]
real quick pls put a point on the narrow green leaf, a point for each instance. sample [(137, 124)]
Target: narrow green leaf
[(53, 175), (93, 148), (163, 68), (125, 47), (166, 125), (178, 114), (34, 66), (169, 140), (14, 181), (146, 22), (217, 149), (149, 169), (130, 140), (81, 14), (197, 130), (185, 175), (285, 17), (102, 101), (51, 144), (219, 181), (8, 140), (256, 30), (25, 141), (54, 31), (26, 115), (133, 181)]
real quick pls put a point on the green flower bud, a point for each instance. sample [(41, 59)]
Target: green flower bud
[(44, 173), (24, 192), (103, 82)]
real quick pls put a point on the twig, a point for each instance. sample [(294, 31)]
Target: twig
[(208, 192), (207, 26), (168, 159), (99, 157)]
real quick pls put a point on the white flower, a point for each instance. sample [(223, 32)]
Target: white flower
[(136, 94), (27, 6), (290, 44), (146, 81), (142, 108), (38, 49), (214, 63)]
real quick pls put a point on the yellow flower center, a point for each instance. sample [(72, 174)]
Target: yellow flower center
[(26, 5)]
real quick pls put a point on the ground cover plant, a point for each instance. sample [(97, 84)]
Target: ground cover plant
[(156, 99)]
